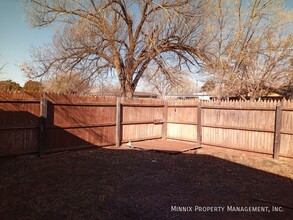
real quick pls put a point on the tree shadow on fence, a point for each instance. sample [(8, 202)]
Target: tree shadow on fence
[(130, 184), (74, 131), (20, 132)]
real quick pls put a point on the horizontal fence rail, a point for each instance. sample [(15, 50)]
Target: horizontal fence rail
[(43, 123)]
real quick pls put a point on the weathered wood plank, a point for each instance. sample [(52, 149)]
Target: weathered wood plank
[(165, 119), (199, 127), (277, 136), (118, 122)]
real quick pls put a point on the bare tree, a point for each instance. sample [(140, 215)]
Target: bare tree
[(288, 87), (164, 84), (250, 49), (124, 37), (106, 86), (67, 83)]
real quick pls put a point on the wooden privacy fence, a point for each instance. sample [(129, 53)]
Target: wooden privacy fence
[(35, 124), (31, 124), (263, 127)]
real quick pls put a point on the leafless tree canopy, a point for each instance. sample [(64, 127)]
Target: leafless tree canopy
[(176, 82), (71, 83), (251, 45), (118, 36)]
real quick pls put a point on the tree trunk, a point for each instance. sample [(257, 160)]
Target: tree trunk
[(253, 97), (126, 90)]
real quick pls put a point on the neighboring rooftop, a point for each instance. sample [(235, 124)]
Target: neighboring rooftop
[(135, 94)]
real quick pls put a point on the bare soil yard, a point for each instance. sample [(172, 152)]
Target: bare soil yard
[(124, 183)]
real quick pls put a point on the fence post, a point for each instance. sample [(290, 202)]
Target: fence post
[(118, 122), (43, 122), (199, 132), (277, 134), (164, 127)]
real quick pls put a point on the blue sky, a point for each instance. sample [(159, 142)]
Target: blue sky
[(17, 38)]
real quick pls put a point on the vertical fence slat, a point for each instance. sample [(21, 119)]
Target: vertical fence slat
[(118, 122), (164, 127), (277, 135), (199, 131), (43, 122)]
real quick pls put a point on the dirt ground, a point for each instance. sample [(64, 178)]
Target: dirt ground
[(130, 183)]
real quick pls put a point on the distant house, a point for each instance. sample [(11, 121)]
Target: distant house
[(277, 94), (135, 94), (145, 95), (199, 95), (273, 96)]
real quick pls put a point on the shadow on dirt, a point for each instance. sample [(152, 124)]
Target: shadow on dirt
[(131, 184)]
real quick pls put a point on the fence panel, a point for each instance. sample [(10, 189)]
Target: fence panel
[(19, 123), (182, 120), (142, 119), (235, 126), (286, 148), (238, 139), (80, 121)]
